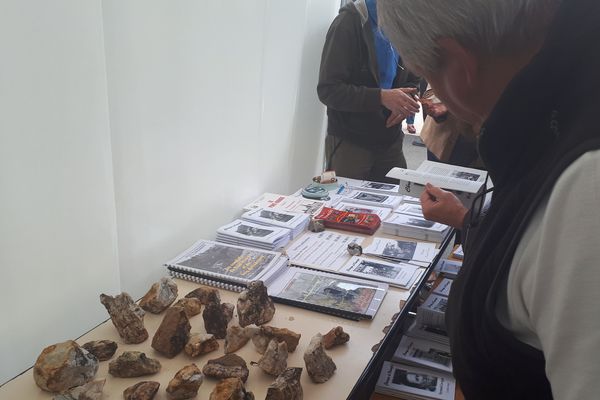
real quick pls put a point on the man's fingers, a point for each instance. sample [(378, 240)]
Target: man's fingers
[(434, 191), (394, 119), (409, 90)]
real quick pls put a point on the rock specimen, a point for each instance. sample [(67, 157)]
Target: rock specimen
[(63, 366), (320, 366), (254, 306), (102, 349), (205, 295), (335, 337), (160, 296), (186, 383), (316, 225), (237, 337), (90, 391), (287, 386), (145, 390), (228, 366), (230, 389), (127, 317), (133, 363), (274, 361), (173, 333), (261, 339), (201, 344), (216, 317), (192, 306)]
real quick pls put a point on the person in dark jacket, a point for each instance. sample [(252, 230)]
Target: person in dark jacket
[(523, 314), (368, 93)]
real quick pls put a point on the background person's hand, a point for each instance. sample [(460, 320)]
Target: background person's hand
[(442, 206), (400, 100)]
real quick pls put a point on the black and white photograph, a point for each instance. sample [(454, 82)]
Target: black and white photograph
[(275, 216), (400, 250), (422, 223), (378, 269), (466, 175), (252, 231), (415, 380), (372, 197), (380, 186)]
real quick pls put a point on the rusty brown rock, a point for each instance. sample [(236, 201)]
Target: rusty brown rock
[(132, 364), (102, 349), (261, 339), (274, 361), (237, 337), (216, 318), (319, 365), (205, 295), (254, 306), (335, 337), (145, 390), (173, 333), (127, 317), (186, 383), (228, 366), (201, 344), (63, 366), (192, 306), (287, 386), (90, 391), (231, 389), (160, 296)]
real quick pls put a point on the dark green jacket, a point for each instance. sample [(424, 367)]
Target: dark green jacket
[(349, 81)]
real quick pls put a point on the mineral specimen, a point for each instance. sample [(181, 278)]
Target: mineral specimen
[(335, 337), (102, 349), (254, 306), (63, 366), (186, 383), (133, 363), (230, 389), (274, 361), (173, 333), (261, 339), (127, 317), (201, 344), (192, 306), (320, 366), (205, 295), (228, 366), (287, 386), (90, 391), (316, 225), (237, 337), (216, 317), (145, 390), (160, 296)]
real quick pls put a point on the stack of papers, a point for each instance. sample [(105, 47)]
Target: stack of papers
[(243, 233), (419, 253), (415, 227), (409, 382), (372, 199), (295, 222)]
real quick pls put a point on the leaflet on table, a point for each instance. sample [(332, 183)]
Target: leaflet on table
[(248, 232), (416, 223), (443, 288), (293, 221), (433, 311), (372, 199), (327, 251), (424, 353), (420, 383), (375, 187), (448, 268), (382, 212), (286, 203), (402, 250), (410, 209), (396, 274)]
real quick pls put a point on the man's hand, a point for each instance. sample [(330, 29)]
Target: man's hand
[(400, 102), (437, 111), (442, 206)]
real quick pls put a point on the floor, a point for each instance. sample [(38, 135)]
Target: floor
[(414, 154)]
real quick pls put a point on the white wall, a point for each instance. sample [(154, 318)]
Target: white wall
[(57, 214)]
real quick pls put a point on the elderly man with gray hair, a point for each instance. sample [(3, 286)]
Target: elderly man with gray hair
[(524, 313)]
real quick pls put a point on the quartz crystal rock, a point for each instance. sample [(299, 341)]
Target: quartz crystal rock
[(230, 389), (63, 366), (90, 391), (254, 306), (319, 365), (335, 337), (133, 363), (160, 296), (173, 333), (274, 361), (287, 386), (237, 337), (201, 344), (261, 339), (316, 225), (186, 383), (127, 317), (216, 317), (192, 306), (205, 295), (145, 390), (102, 349), (228, 366)]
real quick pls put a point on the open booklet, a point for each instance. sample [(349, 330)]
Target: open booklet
[(234, 267)]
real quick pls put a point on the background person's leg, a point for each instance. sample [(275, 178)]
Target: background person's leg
[(347, 159), (386, 159)]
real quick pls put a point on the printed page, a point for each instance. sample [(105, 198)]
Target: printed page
[(397, 274), (426, 383), (286, 203), (414, 222), (249, 231), (424, 353), (284, 219), (445, 182), (402, 250), (382, 212)]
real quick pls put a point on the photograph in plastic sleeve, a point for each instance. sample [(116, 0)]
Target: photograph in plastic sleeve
[(419, 382)]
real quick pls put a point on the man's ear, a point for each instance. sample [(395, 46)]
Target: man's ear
[(461, 67)]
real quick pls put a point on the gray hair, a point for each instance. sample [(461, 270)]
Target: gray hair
[(487, 27)]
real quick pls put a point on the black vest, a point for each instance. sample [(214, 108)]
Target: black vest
[(546, 118)]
